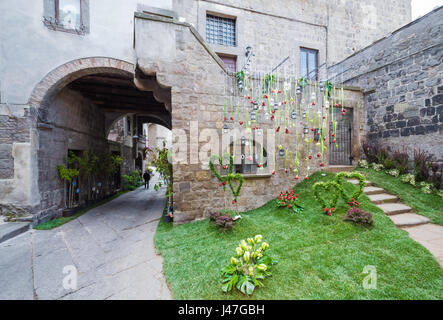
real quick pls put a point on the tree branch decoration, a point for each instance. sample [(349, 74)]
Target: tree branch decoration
[(230, 177), (357, 193)]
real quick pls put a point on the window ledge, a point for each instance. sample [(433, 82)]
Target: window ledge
[(59, 27), (254, 175)]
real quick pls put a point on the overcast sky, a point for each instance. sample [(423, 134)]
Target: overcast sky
[(421, 7)]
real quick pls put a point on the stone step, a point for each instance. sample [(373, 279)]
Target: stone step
[(12, 229), (382, 198), (408, 219), (373, 190), (355, 182), (394, 208), (339, 168)]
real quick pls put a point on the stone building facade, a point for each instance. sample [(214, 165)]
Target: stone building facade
[(161, 70), (401, 76)]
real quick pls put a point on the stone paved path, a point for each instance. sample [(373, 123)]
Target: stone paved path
[(419, 227), (111, 247)]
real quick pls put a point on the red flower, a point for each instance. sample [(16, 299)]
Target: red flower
[(258, 165), (318, 155), (233, 201), (241, 122), (333, 141), (279, 91), (232, 118), (342, 113), (278, 129), (226, 118), (220, 184), (296, 177), (332, 134), (287, 130), (306, 178), (312, 129), (263, 104), (272, 117), (309, 157), (273, 172), (313, 103), (289, 205)]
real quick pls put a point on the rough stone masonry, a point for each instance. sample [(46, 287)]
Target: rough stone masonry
[(402, 78)]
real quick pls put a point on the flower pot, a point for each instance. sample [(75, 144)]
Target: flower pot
[(68, 212)]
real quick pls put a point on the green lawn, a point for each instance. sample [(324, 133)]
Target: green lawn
[(429, 205), (51, 224), (320, 257)]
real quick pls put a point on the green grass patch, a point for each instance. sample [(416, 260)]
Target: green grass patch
[(319, 257), (62, 220), (428, 205)]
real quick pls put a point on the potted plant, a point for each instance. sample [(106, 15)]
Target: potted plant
[(68, 175)]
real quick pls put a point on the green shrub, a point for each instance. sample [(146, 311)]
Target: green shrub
[(131, 181)]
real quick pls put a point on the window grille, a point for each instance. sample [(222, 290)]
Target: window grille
[(220, 30)]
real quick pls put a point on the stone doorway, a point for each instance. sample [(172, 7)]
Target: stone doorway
[(340, 153)]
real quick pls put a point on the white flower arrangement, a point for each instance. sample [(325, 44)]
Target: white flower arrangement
[(394, 172), (408, 178), (426, 187), (363, 164), (377, 167)]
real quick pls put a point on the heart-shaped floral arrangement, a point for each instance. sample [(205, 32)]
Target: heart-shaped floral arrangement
[(360, 187), (230, 177), (327, 194)]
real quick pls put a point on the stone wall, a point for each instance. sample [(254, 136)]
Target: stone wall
[(198, 88), (277, 29), (402, 76)]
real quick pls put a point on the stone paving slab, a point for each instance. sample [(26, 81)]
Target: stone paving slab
[(16, 281), (408, 219), (111, 247), (382, 198), (394, 208), (355, 182), (430, 236), (373, 190), (9, 230)]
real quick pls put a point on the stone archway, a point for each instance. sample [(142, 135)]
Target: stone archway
[(74, 106)]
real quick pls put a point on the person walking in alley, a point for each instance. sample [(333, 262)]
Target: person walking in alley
[(146, 177)]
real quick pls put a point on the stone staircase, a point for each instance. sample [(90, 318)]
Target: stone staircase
[(402, 215), (419, 227)]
